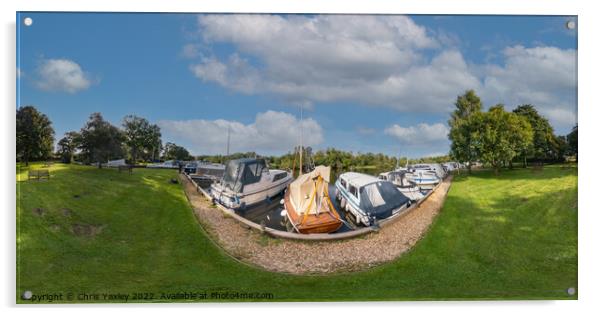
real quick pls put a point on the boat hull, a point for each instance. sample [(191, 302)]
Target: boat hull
[(325, 222), (245, 200)]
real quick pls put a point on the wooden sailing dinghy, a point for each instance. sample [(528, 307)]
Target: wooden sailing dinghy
[(308, 206)]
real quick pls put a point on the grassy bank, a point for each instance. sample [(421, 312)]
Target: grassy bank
[(90, 231)]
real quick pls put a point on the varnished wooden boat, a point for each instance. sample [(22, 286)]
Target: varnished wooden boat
[(310, 210)]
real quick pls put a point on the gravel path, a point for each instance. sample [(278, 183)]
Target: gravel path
[(303, 257)]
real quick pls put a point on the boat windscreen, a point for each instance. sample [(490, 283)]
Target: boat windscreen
[(379, 199), (252, 172), (231, 176)]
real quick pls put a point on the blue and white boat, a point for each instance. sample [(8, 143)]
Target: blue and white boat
[(369, 199), (400, 178), (424, 179)]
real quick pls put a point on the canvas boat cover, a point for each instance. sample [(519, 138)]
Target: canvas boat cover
[(302, 189), (380, 199), (240, 172)]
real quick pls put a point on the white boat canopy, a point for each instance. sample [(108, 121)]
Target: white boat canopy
[(308, 191)]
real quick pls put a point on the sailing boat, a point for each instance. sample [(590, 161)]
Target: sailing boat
[(307, 204)]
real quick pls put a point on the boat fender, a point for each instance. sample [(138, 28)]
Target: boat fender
[(344, 204), (281, 201), (283, 213)]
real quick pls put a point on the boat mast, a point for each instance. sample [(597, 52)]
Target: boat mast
[(301, 147)]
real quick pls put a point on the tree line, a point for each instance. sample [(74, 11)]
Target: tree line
[(98, 141), (499, 138), (338, 160), (495, 137)]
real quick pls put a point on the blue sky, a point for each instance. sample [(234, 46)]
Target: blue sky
[(366, 83)]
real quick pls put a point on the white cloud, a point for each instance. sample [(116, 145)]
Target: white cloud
[(386, 61), (62, 75), (419, 134), (561, 117), (271, 132), (375, 60), (236, 74), (190, 51), (543, 76)]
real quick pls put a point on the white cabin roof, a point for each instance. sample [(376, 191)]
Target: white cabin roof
[(358, 179)]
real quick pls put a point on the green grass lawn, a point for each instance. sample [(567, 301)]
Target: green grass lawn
[(99, 231)]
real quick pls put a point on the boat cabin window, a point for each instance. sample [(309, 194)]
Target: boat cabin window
[(279, 176), (353, 190), (252, 172), (344, 183)]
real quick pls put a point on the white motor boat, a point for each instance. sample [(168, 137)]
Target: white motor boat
[(424, 179), (404, 185), (368, 198), (434, 167), (248, 181)]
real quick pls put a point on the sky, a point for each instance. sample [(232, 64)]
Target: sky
[(362, 83)]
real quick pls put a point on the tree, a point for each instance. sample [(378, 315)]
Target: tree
[(503, 135), (100, 140), (521, 135), (35, 135), (560, 148), (141, 137), (543, 134), (464, 128), (67, 146), (172, 151), (572, 140)]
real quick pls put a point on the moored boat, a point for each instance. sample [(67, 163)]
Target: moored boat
[(248, 181), (213, 171), (368, 198), (308, 206), (400, 179), (424, 179)]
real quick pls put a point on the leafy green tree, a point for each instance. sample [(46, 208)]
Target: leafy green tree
[(572, 140), (521, 135), (464, 128), (35, 135), (560, 148), (543, 135), (141, 137), (100, 140), (67, 146), (503, 135), (172, 151)]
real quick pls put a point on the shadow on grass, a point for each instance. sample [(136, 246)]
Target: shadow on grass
[(549, 172), (516, 241)]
